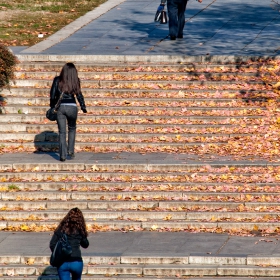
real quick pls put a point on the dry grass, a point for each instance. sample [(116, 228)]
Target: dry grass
[(21, 21)]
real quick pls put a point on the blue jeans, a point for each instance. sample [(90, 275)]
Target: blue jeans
[(67, 113), (176, 13), (73, 268)]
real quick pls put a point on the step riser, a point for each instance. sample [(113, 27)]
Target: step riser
[(97, 138), (228, 66), (128, 205), (229, 95), (153, 195), (190, 270), (99, 216), (94, 99), (157, 225), (171, 84), (143, 75), (147, 111), (151, 260), (252, 188), (101, 147)]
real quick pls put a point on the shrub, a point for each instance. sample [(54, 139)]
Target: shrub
[(7, 65)]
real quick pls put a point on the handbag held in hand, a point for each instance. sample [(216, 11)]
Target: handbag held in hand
[(161, 16), (61, 251)]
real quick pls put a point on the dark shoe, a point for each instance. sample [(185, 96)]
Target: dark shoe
[(62, 159), (180, 36), (71, 155), (172, 37)]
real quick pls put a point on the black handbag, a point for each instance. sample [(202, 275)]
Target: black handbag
[(161, 17), (61, 251), (51, 114)]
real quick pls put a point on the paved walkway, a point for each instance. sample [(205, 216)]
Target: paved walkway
[(126, 27), (132, 159), (175, 244)]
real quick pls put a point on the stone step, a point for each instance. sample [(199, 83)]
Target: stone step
[(179, 120), (130, 277), (145, 205), (158, 215), (147, 110), (153, 84), (102, 147), (216, 187), (89, 176), (122, 137), (230, 227), (156, 270), (139, 66), (140, 196), (141, 128), (145, 168), (151, 195), (141, 131), (141, 102), (248, 94), (157, 74), (95, 215), (163, 166)]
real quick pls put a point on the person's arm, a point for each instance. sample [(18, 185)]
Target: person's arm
[(81, 100), (53, 100), (53, 241), (84, 242)]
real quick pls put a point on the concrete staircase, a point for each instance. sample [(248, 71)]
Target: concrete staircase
[(199, 134), (195, 267)]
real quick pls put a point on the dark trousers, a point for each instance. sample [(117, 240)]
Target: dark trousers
[(67, 114), (176, 13)]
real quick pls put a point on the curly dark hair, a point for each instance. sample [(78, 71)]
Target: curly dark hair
[(73, 223)]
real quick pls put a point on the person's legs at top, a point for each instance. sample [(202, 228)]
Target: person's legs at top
[(61, 122), (71, 114), (172, 8), (181, 17), (64, 271), (76, 269)]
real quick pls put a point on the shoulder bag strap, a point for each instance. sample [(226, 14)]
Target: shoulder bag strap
[(58, 102)]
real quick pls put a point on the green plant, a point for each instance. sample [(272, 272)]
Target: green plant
[(13, 188), (7, 66)]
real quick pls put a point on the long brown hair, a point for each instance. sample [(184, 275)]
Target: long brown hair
[(69, 81), (73, 223)]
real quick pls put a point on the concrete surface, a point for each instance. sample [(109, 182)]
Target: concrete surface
[(127, 27), (175, 244)]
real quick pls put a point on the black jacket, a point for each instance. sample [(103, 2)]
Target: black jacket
[(67, 98), (75, 240)]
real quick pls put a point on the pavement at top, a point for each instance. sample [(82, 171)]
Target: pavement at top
[(127, 27)]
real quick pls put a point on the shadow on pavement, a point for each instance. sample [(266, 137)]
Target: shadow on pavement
[(46, 142)]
